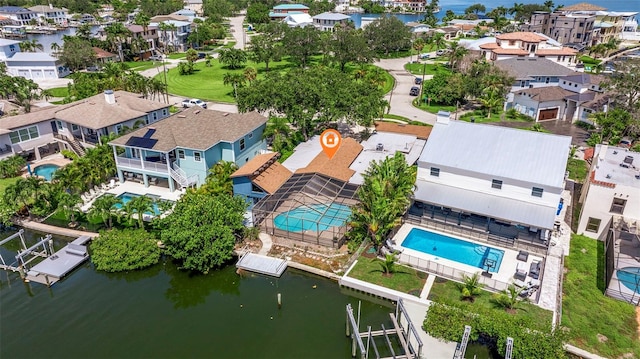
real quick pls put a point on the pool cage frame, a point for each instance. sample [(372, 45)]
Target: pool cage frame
[(622, 250), (306, 189)]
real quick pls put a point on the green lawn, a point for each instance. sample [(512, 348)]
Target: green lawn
[(405, 279), (59, 92), (577, 169), (206, 82), (142, 65), (496, 116), (177, 56), (396, 117), (429, 69), (589, 60), (445, 291), (433, 107), (6, 182), (589, 314)]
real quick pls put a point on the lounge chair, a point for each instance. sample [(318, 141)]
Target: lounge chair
[(112, 183), (534, 270), (92, 193), (523, 256), (521, 271)]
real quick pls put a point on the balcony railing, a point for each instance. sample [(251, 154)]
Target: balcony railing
[(136, 163)]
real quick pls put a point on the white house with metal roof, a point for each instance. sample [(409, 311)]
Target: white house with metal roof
[(181, 149), (36, 65), (496, 180), (8, 48), (298, 20), (328, 20), (612, 190), (48, 13), (18, 14), (78, 124)]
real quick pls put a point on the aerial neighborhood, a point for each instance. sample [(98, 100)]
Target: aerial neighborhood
[(468, 176)]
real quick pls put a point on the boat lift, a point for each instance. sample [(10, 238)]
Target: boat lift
[(42, 249)]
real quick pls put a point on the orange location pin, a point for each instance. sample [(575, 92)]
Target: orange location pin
[(330, 141)]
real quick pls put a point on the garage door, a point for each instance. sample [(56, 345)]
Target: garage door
[(50, 74), (24, 73), (548, 114)]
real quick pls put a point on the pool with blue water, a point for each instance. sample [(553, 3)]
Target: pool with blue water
[(441, 246), (45, 171), (630, 278), (127, 196), (315, 217)]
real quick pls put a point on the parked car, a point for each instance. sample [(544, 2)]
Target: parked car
[(625, 142), (418, 81), (155, 58), (415, 91), (424, 56), (193, 102), (201, 55), (440, 52)]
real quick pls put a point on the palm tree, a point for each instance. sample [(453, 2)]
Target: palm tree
[(105, 208), (31, 45), (490, 100), (509, 298), (140, 205), (68, 204), (117, 34), (55, 49), (456, 54), (439, 41), (548, 4), (218, 180), (235, 79), (278, 130), (388, 265), (471, 287)]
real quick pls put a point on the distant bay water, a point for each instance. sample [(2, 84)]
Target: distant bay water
[(458, 7)]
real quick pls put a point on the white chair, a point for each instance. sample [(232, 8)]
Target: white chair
[(112, 183), (92, 193)]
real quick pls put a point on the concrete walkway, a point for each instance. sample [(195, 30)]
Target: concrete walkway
[(237, 30), (267, 243), (41, 227)]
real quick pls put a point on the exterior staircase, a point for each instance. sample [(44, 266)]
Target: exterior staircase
[(180, 176), (73, 143)]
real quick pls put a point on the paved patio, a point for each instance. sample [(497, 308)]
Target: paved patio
[(136, 188)]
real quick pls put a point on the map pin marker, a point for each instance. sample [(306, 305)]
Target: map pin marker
[(330, 140)]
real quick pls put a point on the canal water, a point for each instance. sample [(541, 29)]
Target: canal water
[(162, 312)]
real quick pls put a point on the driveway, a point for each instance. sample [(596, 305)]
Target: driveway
[(237, 30), (399, 99)]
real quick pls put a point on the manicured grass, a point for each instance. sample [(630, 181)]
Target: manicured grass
[(433, 107), (59, 92), (589, 60), (481, 117), (177, 56), (577, 169), (429, 69), (142, 65), (6, 182), (206, 82), (445, 291), (404, 279), (588, 313), (395, 117), (229, 44)]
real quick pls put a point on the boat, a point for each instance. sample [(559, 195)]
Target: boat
[(13, 31)]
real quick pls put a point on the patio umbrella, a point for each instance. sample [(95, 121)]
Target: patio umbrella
[(29, 169)]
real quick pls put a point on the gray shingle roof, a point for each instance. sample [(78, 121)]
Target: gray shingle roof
[(331, 16), (583, 78), (196, 129), (522, 68), (544, 94)]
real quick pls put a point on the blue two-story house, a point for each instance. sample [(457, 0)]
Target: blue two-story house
[(181, 149), (261, 176)]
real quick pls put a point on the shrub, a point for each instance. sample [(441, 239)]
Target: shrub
[(123, 250), (512, 113), (69, 154), (12, 166), (585, 125)]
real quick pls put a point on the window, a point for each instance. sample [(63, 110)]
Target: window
[(59, 125), (581, 24), (24, 134), (255, 188), (512, 42), (118, 128), (537, 192), (617, 206), (497, 184), (242, 145), (74, 127), (593, 224), (164, 112), (181, 154), (197, 157), (155, 116), (435, 172), (250, 135)]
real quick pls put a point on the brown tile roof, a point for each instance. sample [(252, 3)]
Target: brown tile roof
[(102, 54), (489, 46), (561, 51), (196, 128), (583, 6), (522, 35), (265, 171), (338, 166), (501, 51), (139, 28), (421, 132), (588, 153), (543, 94), (161, 18), (95, 113)]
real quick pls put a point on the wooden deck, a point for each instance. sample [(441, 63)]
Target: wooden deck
[(262, 264), (53, 268)]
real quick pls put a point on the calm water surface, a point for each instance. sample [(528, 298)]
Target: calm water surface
[(165, 313)]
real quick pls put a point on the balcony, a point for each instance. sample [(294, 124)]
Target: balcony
[(138, 164)]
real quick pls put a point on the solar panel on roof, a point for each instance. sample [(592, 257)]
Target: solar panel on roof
[(149, 133), (141, 142)]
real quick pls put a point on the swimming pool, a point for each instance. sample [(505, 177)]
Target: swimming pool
[(315, 217), (127, 196), (630, 278), (46, 171), (454, 249)]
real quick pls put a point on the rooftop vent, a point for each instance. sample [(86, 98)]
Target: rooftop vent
[(196, 112), (379, 147), (109, 97), (182, 116), (628, 160), (226, 114)]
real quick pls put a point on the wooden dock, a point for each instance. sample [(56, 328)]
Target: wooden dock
[(262, 264), (56, 266)]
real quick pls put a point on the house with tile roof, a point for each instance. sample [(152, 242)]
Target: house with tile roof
[(259, 177), (281, 11), (78, 124), (497, 183), (527, 44), (180, 150)]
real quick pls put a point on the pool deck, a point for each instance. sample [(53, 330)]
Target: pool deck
[(137, 188), (56, 159), (504, 274)]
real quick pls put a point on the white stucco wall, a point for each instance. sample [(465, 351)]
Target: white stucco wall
[(598, 204)]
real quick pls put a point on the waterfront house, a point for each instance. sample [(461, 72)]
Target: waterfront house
[(328, 20), (35, 66), (500, 183), (298, 20), (282, 10), (47, 14), (77, 125), (180, 150), (566, 28), (527, 44), (8, 48), (19, 15), (612, 191), (259, 177)]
